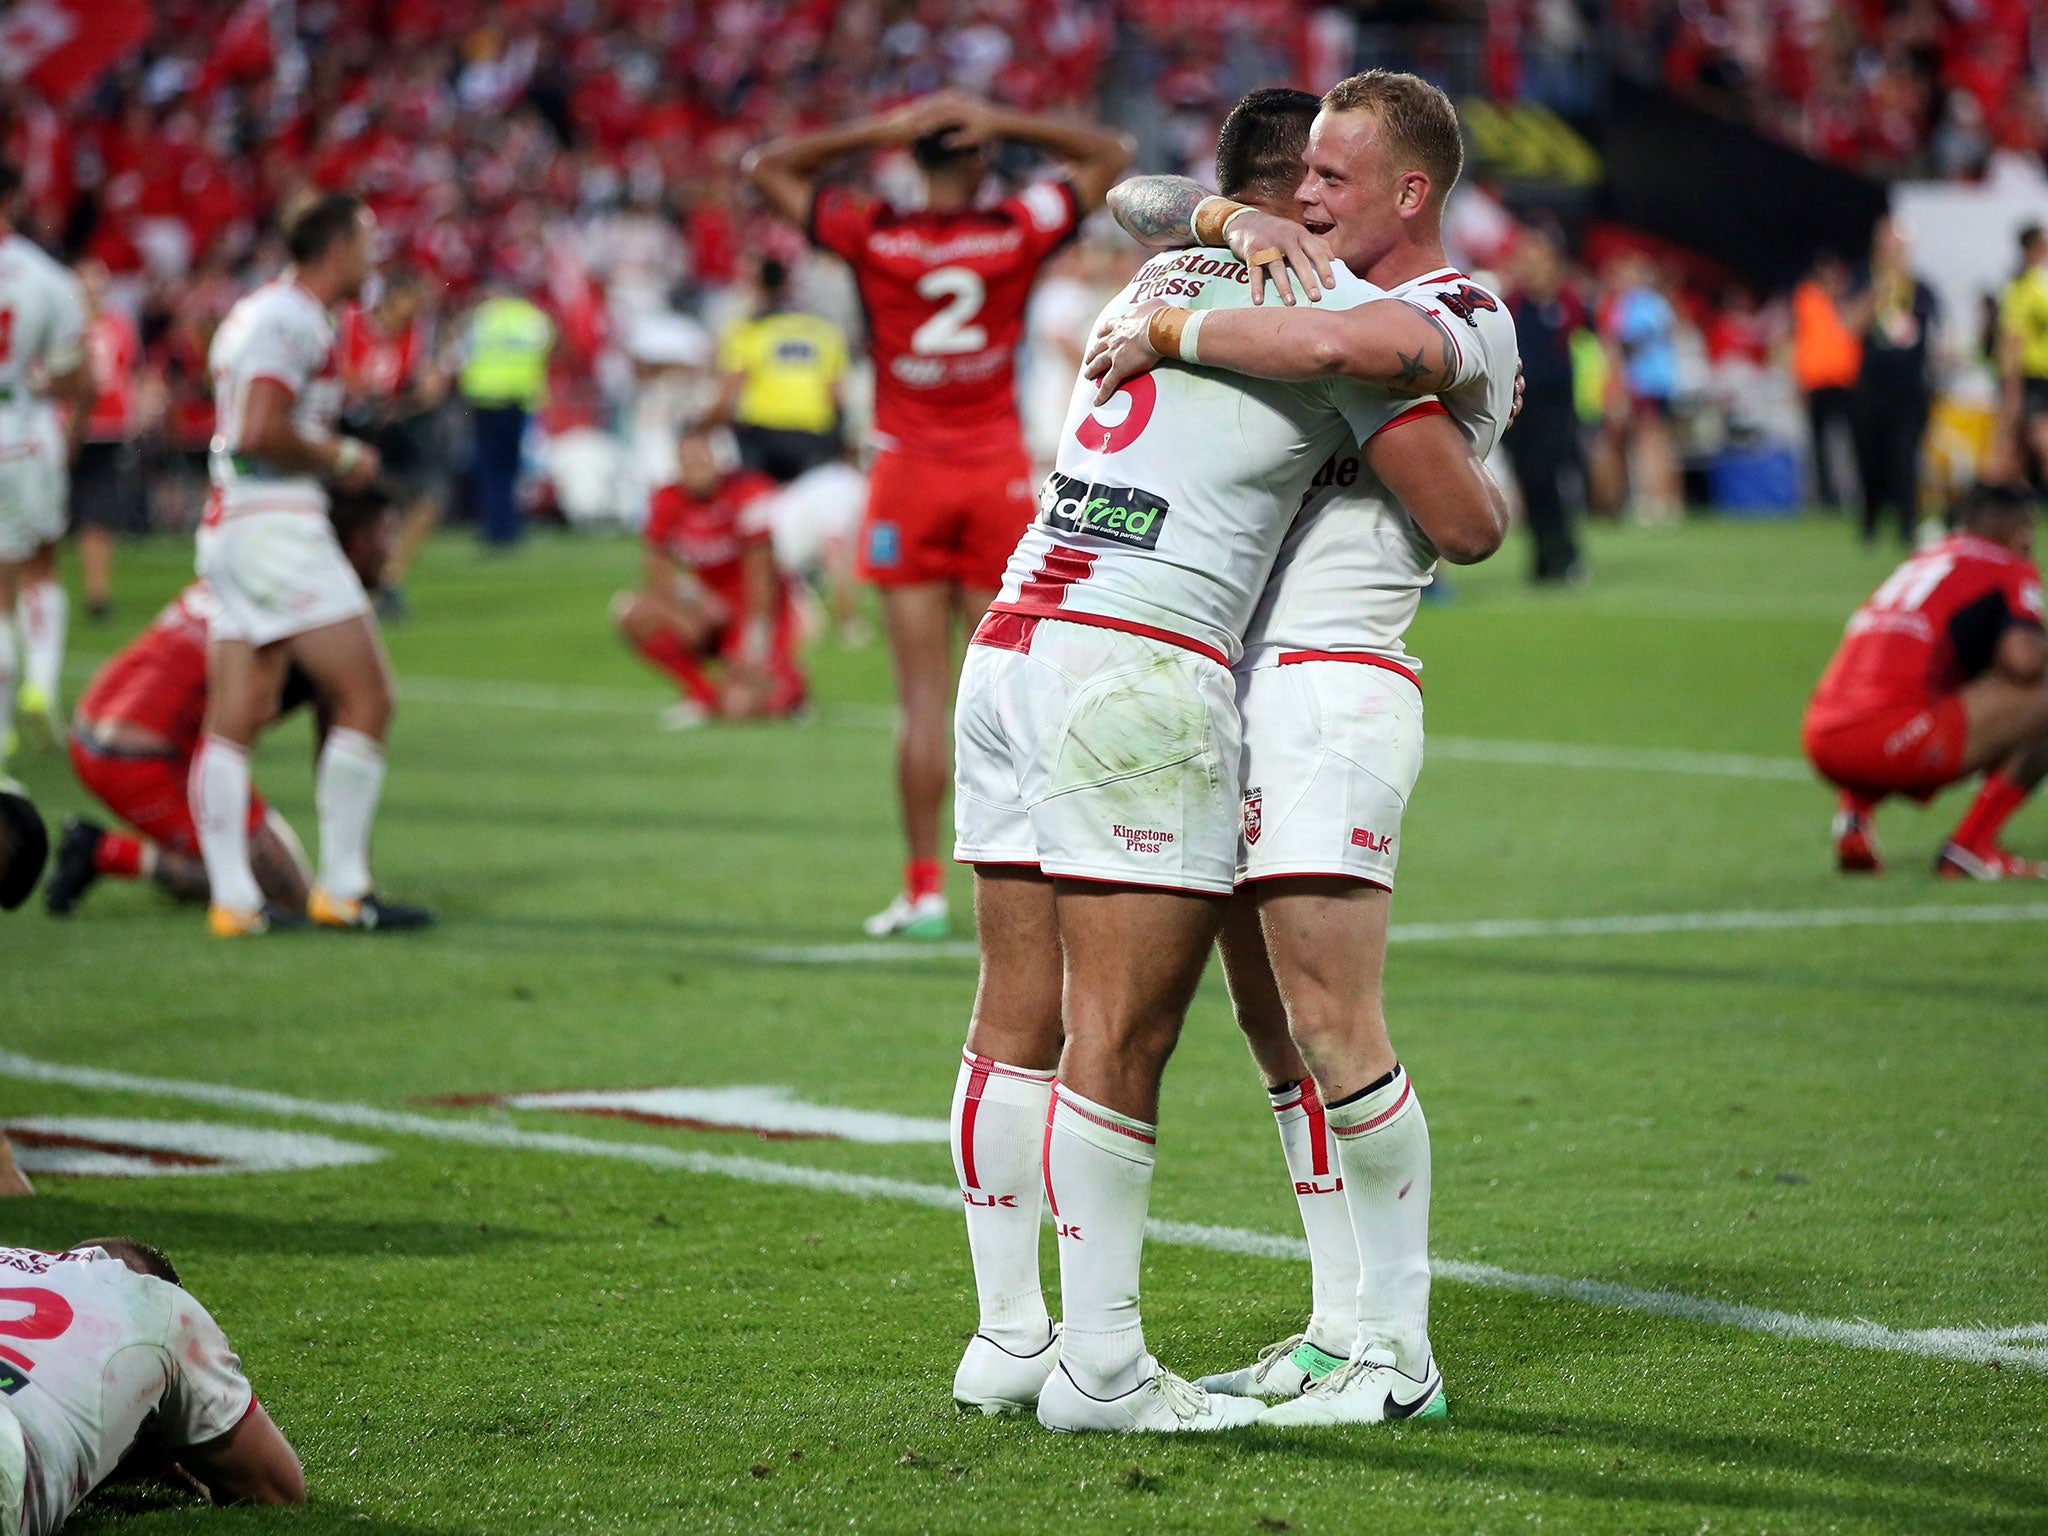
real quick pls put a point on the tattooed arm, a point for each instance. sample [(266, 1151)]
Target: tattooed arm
[(1159, 212), (1156, 211)]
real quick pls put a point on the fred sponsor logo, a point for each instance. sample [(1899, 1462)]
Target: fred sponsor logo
[(1123, 514), (1372, 842), (1142, 839)]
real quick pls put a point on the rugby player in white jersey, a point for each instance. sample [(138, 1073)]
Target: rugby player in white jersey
[(285, 591), (1097, 797), (107, 1362), (1332, 718), (43, 367)]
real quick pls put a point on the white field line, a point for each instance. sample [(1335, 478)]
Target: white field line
[(2025, 1346), (569, 699), (1739, 920)]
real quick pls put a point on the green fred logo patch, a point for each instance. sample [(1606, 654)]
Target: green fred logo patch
[(1121, 513)]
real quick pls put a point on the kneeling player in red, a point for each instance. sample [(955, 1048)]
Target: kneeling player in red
[(1941, 675), (712, 592), (138, 725)]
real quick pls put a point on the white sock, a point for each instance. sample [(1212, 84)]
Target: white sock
[(1383, 1148), (1318, 1180), (1098, 1180), (44, 608), (219, 793), (345, 789), (999, 1155), (7, 680)]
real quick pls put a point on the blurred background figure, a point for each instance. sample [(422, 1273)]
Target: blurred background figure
[(1641, 327), (395, 387), (1895, 385), (1826, 361), (1544, 442), (106, 483), (783, 368), (504, 380), (2023, 362)]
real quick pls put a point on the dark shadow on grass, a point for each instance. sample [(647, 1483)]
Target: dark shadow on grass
[(120, 1506), (1491, 1443), (55, 1218)]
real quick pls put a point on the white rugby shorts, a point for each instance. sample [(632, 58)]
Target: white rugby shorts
[(35, 487), (1331, 753), (277, 574), (1095, 755)]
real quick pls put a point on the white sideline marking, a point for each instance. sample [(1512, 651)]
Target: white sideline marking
[(573, 699), (1738, 920), (90, 1144), (768, 1107), (2025, 1346)]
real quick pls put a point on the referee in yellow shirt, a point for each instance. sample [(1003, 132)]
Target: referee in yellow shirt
[(782, 371), (2023, 354)]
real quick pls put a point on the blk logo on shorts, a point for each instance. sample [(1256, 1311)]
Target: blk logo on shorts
[(1254, 803), (1371, 842)]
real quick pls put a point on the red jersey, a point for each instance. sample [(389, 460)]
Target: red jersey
[(157, 682), (115, 347), (707, 535), (1933, 625), (373, 365), (945, 296)]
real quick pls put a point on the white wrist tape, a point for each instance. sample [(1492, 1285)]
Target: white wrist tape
[(347, 454), (1188, 333), (1195, 218)]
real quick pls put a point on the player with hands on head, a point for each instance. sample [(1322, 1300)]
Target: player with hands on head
[(945, 288)]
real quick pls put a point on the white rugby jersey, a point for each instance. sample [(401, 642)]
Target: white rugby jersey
[(1166, 508), (88, 1350), (279, 332), (1351, 570), (42, 334)]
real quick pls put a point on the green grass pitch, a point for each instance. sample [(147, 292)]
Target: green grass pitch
[(1843, 1123)]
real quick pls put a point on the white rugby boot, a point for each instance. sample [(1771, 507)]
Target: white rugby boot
[(1162, 1403), (1366, 1389), (921, 918), (1283, 1370), (999, 1380)]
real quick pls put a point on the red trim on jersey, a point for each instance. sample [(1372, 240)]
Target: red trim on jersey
[(1127, 626), (1421, 410), (13, 1358), (1060, 569), (1107, 1124), (1361, 658), (1318, 1127), (1381, 1118), (977, 1080)]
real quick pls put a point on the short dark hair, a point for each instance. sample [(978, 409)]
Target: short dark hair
[(143, 1258), (24, 846), (1995, 506), (1261, 145), (936, 151), (2030, 234), (311, 229), (1420, 122)]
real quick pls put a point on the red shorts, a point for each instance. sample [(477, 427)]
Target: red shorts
[(945, 519), (149, 794), (1913, 749)]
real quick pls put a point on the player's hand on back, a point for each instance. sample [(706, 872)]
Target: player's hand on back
[(1276, 249), (361, 468), (1121, 349), (1521, 389)]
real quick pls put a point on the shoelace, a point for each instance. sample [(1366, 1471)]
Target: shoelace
[(1342, 1377), (1182, 1396), (1273, 1354)]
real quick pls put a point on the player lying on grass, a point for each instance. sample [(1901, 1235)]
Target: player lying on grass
[(944, 285), (711, 591), (112, 1369), (1331, 706), (1940, 676), (137, 727), (1098, 797)]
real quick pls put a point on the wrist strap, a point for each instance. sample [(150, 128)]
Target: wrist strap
[(1188, 333), (347, 454)]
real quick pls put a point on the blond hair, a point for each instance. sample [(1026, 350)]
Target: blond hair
[(1421, 123)]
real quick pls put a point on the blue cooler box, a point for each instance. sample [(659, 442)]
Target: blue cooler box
[(1759, 481)]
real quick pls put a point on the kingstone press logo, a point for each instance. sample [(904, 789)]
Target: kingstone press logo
[(1122, 514)]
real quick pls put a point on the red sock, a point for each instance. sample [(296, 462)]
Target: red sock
[(675, 658), (1978, 831), (1859, 805), (924, 877), (118, 856)]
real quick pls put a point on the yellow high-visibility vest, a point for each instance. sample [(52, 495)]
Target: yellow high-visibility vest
[(508, 342)]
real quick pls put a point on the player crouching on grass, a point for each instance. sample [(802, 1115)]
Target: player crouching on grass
[(117, 1372), (1941, 675), (137, 728), (712, 591)]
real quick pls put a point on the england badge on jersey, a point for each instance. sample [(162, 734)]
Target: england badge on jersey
[(1253, 803)]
